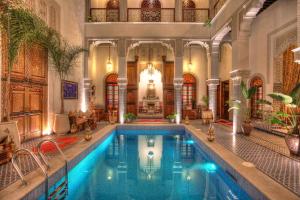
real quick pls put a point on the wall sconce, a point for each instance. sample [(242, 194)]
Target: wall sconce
[(109, 65)]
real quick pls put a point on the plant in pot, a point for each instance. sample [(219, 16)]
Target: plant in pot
[(129, 117), (205, 100), (247, 94), (289, 118), (171, 118), (63, 57)]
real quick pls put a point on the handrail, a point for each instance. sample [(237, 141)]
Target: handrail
[(18, 170), (48, 165), (43, 156)]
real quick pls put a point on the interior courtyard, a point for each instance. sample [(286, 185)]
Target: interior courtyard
[(150, 99)]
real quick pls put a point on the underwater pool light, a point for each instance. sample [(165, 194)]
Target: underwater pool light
[(209, 167), (190, 141)]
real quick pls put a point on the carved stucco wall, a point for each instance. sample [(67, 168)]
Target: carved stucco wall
[(281, 44)]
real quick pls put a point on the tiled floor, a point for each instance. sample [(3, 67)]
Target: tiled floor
[(283, 169), (27, 165)]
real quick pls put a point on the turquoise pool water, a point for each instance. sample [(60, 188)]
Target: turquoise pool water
[(146, 165)]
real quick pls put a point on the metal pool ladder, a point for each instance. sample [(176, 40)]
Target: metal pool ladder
[(62, 190), (35, 158)]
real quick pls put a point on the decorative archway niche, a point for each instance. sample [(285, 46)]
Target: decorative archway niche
[(188, 11), (112, 11), (256, 108), (151, 11), (111, 92)]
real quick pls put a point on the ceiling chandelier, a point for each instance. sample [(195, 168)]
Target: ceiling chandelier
[(150, 66)]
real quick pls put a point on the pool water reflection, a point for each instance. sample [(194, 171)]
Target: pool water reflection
[(152, 166)]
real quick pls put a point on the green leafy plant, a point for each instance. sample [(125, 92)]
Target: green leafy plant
[(247, 94), (20, 27), (205, 100), (63, 57), (288, 119), (171, 116), (130, 116)]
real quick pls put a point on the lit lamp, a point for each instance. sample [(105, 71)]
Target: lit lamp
[(109, 65), (190, 65)]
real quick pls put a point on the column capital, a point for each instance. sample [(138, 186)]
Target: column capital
[(122, 83), (242, 73), (178, 83), (210, 82)]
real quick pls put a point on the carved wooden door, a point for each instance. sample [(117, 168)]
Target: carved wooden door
[(168, 85), (132, 87), (28, 90)]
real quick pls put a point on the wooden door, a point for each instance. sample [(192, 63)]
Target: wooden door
[(28, 90), (132, 87), (224, 103), (168, 87)]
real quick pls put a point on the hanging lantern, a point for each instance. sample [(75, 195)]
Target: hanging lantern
[(190, 65), (109, 65)]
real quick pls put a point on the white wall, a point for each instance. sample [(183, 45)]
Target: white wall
[(225, 65), (72, 29), (199, 69), (98, 58), (276, 18)]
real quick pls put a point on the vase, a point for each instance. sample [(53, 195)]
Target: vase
[(61, 124), (247, 128), (292, 141)]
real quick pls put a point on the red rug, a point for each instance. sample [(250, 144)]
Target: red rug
[(62, 142), (224, 122)]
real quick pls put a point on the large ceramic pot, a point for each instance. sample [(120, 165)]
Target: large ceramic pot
[(61, 124), (172, 121), (293, 141), (247, 128)]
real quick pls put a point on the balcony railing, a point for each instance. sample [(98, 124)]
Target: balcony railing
[(148, 15), (104, 15), (151, 15), (195, 14)]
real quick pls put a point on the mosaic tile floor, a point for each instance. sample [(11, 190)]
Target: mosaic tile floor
[(27, 165), (283, 169)]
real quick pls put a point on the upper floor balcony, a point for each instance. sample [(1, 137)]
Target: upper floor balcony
[(197, 11)]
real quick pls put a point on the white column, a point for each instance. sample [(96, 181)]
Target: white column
[(212, 95), (86, 80), (123, 10), (241, 70), (122, 78), (214, 81), (178, 78)]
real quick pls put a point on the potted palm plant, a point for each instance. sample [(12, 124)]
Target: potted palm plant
[(289, 118), (129, 117), (205, 100), (63, 57), (247, 94), (171, 118)]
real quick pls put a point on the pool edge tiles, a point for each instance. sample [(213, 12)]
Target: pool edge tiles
[(35, 179), (253, 181)]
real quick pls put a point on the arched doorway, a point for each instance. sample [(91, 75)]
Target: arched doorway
[(188, 11), (189, 96), (112, 92), (151, 11), (255, 107), (112, 11)]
